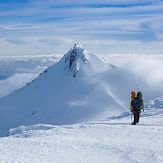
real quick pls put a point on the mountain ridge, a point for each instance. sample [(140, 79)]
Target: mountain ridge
[(68, 92)]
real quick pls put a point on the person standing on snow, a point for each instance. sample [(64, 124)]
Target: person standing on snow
[(136, 105)]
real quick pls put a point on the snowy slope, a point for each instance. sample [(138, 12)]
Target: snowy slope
[(78, 112), (80, 87), (57, 97), (114, 141)]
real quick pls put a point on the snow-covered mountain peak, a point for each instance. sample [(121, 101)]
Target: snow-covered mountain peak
[(78, 52), (80, 61), (75, 58), (57, 98), (77, 45)]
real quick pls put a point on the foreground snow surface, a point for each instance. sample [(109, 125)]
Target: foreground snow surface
[(114, 141)]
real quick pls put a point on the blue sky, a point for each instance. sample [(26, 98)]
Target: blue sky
[(35, 27)]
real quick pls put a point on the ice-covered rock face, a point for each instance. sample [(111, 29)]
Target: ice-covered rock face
[(74, 58)]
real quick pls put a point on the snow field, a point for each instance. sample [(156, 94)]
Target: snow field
[(113, 141), (91, 109)]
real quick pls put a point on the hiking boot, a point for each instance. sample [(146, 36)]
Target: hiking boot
[(133, 123)]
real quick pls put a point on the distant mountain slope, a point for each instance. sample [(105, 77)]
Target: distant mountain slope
[(156, 103)]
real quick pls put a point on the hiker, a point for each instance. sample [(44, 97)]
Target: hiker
[(136, 106)]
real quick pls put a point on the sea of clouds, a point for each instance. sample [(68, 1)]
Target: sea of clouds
[(15, 72)]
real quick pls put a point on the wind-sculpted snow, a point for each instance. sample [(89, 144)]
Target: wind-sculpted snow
[(30, 131), (114, 141)]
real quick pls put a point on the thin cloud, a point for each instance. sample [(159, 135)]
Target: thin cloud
[(39, 27)]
